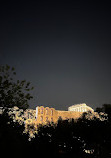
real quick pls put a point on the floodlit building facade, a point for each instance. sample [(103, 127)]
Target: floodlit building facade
[(46, 114), (80, 108)]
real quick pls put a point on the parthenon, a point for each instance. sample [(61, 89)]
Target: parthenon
[(46, 114)]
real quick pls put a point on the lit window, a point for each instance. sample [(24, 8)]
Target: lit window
[(51, 119), (28, 116), (41, 118), (41, 110), (46, 119), (51, 112), (46, 111)]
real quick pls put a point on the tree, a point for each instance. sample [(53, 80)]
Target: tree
[(99, 109), (12, 138), (105, 108), (13, 93)]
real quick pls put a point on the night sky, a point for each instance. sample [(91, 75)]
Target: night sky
[(63, 49)]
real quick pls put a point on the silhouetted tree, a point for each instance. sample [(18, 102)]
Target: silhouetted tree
[(105, 108), (58, 140), (99, 109), (67, 138), (70, 138), (96, 134), (13, 93), (12, 139)]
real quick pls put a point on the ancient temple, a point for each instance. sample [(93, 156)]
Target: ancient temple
[(46, 114)]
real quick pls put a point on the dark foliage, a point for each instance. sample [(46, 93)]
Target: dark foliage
[(12, 139), (105, 108), (13, 93), (67, 139)]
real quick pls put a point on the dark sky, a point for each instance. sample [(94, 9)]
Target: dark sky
[(62, 48)]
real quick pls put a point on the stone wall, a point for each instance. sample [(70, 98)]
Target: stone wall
[(46, 114), (69, 114)]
